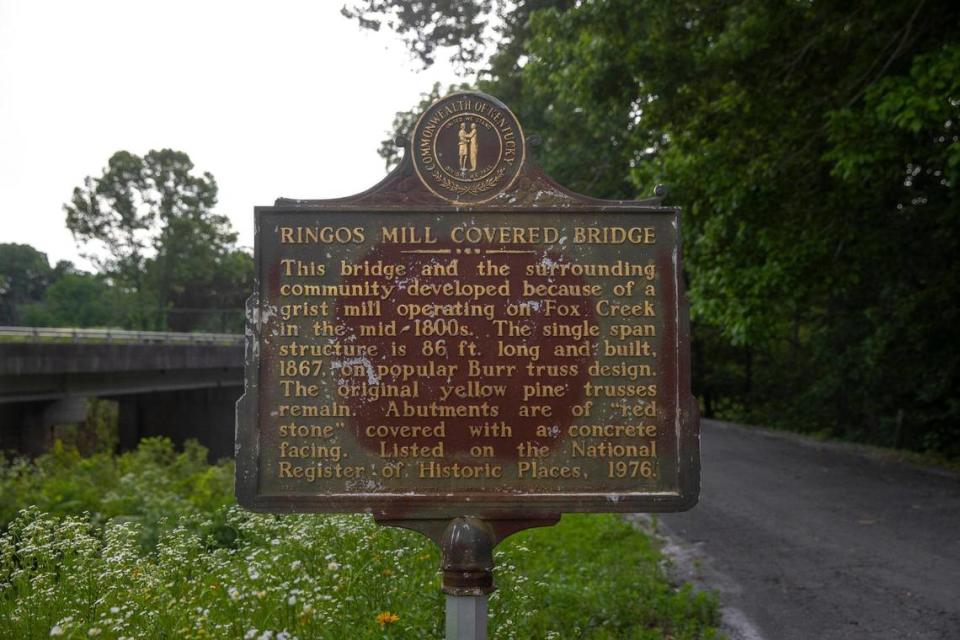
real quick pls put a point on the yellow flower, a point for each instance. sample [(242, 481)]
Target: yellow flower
[(387, 572), (384, 618)]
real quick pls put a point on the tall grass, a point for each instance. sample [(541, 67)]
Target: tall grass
[(149, 545)]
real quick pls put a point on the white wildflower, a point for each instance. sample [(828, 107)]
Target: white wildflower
[(333, 566), (296, 564), (292, 600), (95, 631), (56, 630)]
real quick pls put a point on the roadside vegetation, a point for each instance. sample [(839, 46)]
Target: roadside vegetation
[(813, 149), (150, 544)]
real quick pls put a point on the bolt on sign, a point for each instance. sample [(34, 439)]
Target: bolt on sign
[(467, 338)]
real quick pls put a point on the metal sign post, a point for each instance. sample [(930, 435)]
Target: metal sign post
[(467, 565), (466, 617)]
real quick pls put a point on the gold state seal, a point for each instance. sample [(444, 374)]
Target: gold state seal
[(467, 148)]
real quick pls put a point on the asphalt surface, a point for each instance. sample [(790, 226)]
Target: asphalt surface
[(816, 541)]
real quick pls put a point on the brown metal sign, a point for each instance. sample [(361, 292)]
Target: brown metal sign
[(467, 338)]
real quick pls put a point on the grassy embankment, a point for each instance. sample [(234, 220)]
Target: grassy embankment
[(150, 544)]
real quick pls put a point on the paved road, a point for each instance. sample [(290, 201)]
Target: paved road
[(814, 541)]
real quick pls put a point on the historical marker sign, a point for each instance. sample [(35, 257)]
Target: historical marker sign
[(467, 338)]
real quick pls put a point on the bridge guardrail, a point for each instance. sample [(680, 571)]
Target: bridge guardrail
[(117, 335)]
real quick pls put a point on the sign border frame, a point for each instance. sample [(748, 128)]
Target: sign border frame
[(480, 504)]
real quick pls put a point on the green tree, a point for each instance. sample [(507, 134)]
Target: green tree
[(813, 148), (217, 305), (150, 227), (79, 299), (428, 25), (25, 274), (233, 284)]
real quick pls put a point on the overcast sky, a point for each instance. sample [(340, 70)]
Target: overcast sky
[(283, 98)]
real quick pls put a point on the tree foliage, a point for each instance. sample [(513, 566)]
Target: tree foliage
[(813, 147), (78, 299), (148, 223), (404, 121), (24, 276), (428, 25), (34, 294)]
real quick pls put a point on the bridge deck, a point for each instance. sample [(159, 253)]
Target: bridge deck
[(179, 385)]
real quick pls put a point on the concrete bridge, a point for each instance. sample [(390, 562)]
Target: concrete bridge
[(173, 384)]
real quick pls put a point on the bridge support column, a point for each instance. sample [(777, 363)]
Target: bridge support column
[(27, 427), (128, 422), (21, 428), (206, 415)]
